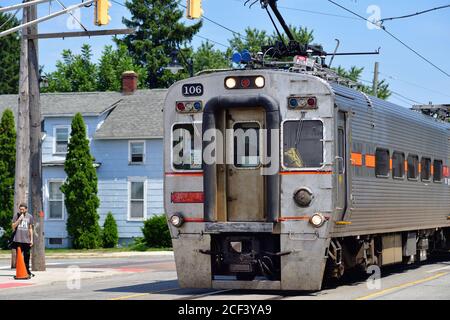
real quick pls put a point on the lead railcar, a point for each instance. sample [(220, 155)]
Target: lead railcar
[(277, 179)]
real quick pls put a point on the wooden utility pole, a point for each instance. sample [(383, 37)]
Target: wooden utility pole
[(375, 80), (38, 249), (22, 177)]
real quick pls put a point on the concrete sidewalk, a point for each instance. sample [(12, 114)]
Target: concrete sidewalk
[(80, 255)]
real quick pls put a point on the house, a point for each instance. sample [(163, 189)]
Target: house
[(125, 130)]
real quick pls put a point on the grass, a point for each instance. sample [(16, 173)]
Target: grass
[(101, 250)]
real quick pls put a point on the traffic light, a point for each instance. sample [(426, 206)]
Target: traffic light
[(101, 15), (194, 9)]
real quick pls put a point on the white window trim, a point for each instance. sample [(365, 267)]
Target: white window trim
[(136, 179), (144, 152), (48, 202), (54, 137)]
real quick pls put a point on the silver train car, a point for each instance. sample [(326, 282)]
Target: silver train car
[(339, 181)]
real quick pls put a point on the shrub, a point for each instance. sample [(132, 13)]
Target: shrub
[(139, 244), (156, 232), (110, 235)]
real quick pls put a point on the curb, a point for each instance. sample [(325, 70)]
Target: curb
[(100, 255)]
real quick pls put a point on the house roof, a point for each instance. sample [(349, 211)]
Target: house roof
[(135, 116), (132, 116)]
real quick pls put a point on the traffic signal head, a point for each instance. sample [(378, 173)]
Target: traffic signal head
[(194, 9), (101, 14)]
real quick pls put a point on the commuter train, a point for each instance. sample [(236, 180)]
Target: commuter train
[(277, 179)]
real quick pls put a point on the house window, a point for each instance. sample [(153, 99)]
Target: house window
[(398, 164), (137, 152), (137, 200), (55, 200), (425, 173), (413, 167), (382, 163), (55, 241), (437, 170), (61, 139)]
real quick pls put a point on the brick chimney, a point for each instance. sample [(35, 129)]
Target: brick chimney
[(129, 82)]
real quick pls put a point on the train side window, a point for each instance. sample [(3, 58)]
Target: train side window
[(186, 147), (382, 163), (413, 167), (425, 173), (398, 165), (303, 144), (437, 170)]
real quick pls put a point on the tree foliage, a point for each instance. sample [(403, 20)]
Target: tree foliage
[(354, 74), (206, 57), (9, 56), (158, 32), (80, 189), (110, 234), (7, 172)]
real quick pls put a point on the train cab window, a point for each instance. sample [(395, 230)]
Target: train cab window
[(413, 167), (398, 165), (186, 146), (382, 163), (437, 170), (302, 144), (246, 144), (425, 173)]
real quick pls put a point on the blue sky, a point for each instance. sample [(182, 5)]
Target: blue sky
[(408, 75)]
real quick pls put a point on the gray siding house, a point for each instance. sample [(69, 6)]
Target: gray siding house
[(125, 132)]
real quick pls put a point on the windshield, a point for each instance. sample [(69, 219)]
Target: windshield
[(302, 144)]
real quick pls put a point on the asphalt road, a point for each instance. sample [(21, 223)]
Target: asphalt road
[(154, 278)]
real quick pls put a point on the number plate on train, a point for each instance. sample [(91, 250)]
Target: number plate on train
[(192, 90)]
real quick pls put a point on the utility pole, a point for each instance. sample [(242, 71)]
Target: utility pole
[(22, 177), (38, 249), (375, 80)]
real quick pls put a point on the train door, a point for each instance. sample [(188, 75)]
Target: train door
[(341, 164), (245, 191)]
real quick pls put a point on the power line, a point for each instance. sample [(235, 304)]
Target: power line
[(413, 84), (120, 4), (415, 14), (318, 12), (393, 36), (12, 16), (207, 39)]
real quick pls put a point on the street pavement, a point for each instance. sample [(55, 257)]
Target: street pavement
[(153, 277)]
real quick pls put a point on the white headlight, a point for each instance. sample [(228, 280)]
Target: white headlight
[(317, 220), (230, 83), (176, 220), (259, 82)]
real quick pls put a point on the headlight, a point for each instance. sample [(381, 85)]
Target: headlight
[(176, 220), (317, 220), (259, 82), (230, 83)]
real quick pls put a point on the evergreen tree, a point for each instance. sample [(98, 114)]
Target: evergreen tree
[(158, 33), (110, 234), (7, 172), (9, 56), (80, 189)]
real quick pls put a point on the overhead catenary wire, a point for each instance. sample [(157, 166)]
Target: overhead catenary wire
[(11, 16), (393, 36), (415, 14)]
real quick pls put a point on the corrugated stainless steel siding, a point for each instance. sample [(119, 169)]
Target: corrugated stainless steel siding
[(385, 204)]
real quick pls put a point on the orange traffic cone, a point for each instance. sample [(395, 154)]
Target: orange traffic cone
[(21, 270)]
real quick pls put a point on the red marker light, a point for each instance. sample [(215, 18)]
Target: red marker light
[(245, 83), (312, 102), (180, 106)]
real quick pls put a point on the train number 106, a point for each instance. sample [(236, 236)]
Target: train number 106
[(192, 90)]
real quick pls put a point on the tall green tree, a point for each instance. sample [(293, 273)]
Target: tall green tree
[(301, 34), (80, 190), (74, 73), (354, 74), (111, 66), (9, 56), (252, 40), (7, 172), (159, 31), (206, 57)]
